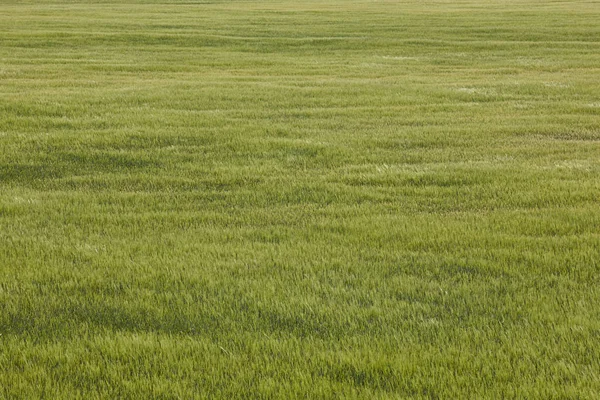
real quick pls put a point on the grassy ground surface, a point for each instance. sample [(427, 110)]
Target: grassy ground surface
[(284, 199)]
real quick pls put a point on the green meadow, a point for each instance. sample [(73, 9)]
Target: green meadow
[(300, 199)]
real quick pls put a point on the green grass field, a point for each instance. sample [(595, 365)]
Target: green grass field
[(300, 199)]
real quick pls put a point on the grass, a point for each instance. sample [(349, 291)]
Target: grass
[(277, 199)]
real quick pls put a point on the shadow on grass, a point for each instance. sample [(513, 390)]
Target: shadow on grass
[(68, 164), (41, 322)]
